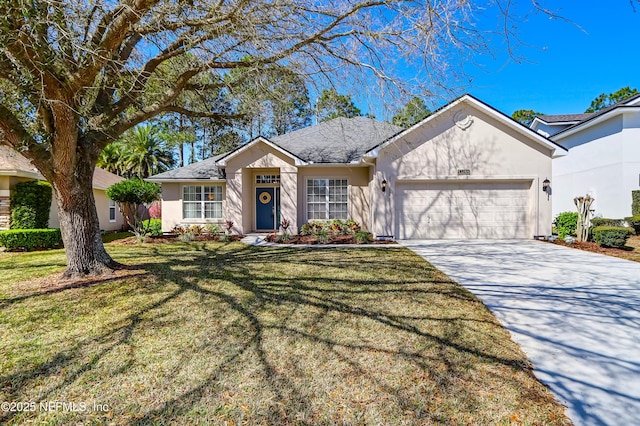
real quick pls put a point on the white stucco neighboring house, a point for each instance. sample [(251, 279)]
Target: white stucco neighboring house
[(603, 159), (466, 171), (15, 168)]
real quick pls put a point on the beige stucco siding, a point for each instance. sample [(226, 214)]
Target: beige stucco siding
[(241, 170), (358, 198), (463, 138), (172, 204)]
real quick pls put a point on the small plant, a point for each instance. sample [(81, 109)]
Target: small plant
[(229, 225), (196, 230), (186, 237), (322, 235), (609, 236), (566, 224), (362, 237), (179, 229), (212, 229), (285, 224)]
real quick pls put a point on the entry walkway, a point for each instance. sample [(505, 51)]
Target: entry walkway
[(575, 314)]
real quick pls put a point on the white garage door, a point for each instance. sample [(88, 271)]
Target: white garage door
[(492, 210)]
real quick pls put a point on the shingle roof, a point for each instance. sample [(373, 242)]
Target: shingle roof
[(103, 179), (205, 169), (341, 140), (13, 161), (560, 118)]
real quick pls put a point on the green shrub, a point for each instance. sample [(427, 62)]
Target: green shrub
[(30, 205), (153, 227), (603, 221), (566, 224), (635, 203), (634, 222), (23, 217), (332, 227), (362, 237), (30, 239), (610, 236)]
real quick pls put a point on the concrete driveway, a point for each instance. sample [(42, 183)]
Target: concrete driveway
[(575, 314)]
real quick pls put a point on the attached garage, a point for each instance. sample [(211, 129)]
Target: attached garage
[(490, 209)]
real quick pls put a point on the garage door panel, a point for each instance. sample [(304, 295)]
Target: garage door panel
[(462, 210)]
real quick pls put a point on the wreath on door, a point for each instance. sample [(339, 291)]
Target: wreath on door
[(264, 197)]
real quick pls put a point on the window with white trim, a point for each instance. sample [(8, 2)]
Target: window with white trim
[(112, 211), (202, 202), (327, 199)]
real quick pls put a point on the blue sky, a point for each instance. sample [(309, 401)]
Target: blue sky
[(567, 66)]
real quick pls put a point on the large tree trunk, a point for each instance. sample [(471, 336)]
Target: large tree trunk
[(79, 225)]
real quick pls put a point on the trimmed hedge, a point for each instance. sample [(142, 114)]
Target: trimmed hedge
[(30, 239), (635, 203), (634, 222), (610, 236), (30, 205), (603, 221)]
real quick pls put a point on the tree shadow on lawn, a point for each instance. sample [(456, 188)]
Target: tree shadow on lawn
[(286, 336)]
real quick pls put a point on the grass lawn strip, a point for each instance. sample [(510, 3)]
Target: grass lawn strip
[(226, 333)]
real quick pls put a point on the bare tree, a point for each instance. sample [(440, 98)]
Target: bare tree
[(76, 74)]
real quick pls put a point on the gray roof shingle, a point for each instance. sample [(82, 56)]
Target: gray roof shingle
[(205, 169), (341, 140), (560, 118)]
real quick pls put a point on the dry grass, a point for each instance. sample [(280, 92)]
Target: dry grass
[(210, 333)]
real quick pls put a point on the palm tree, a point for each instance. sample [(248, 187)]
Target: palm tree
[(144, 152), (111, 158)]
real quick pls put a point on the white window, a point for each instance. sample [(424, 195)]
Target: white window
[(112, 211), (202, 202), (327, 199)]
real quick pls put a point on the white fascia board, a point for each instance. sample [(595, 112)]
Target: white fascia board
[(590, 123), (352, 164), (553, 123), (223, 161), (22, 173), (557, 151)]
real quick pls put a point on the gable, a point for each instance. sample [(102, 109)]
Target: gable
[(464, 137), (259, 153)]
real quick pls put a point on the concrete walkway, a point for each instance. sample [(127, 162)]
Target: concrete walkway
[(575, 314)]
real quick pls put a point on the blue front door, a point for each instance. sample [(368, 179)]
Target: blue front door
[(265, 208)]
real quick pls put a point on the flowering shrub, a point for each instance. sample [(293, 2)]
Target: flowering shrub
[(155, 211)]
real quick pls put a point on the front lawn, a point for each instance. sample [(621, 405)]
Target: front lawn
[(212, 333)]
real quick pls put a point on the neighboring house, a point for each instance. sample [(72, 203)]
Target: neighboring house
[(603, 159), (14, 168), (466, 171)]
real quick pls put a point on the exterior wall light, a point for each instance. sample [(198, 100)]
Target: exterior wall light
[(384, 185), (545, 186)]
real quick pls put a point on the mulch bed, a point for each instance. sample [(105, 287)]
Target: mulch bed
[(625, 253), (172, 239), (312, 239)]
